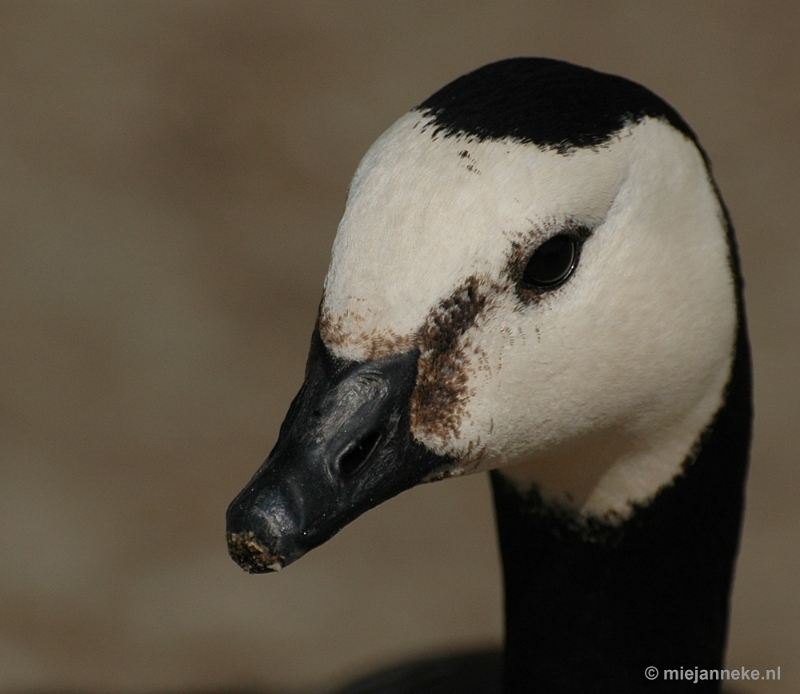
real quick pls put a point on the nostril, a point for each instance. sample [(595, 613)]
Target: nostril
[(355, 458)]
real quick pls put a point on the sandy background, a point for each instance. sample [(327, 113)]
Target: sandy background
[(171, 178)]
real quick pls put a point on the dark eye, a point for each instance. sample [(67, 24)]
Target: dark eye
[(552, 263)]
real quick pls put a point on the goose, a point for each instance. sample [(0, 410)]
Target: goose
[(535, 275)]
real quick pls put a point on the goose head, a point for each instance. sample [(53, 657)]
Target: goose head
[(534, 275)]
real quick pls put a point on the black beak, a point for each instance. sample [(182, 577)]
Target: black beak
[(344, 447)]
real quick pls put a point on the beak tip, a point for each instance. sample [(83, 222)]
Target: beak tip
[(248, 552)]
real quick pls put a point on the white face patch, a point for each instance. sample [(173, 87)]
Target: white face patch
[(597, 390)]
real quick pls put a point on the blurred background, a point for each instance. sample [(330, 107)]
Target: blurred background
[(171, 178)]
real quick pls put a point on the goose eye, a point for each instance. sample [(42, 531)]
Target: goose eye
[(552, 263)]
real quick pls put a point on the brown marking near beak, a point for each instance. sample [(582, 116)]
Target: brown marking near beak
[(439, 401), (250, 554), (378, 343)]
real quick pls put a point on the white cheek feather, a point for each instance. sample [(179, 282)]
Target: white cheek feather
[(597, 391)]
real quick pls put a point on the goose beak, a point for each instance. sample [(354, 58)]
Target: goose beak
[(344, 447)]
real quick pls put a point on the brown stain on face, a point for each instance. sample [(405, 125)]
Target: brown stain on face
[(448, 357), (344, 329), (438, 404)]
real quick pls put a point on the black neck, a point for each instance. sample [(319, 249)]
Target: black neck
[(589, 607)]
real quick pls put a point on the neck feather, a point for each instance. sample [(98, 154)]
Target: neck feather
[(590, 606)]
